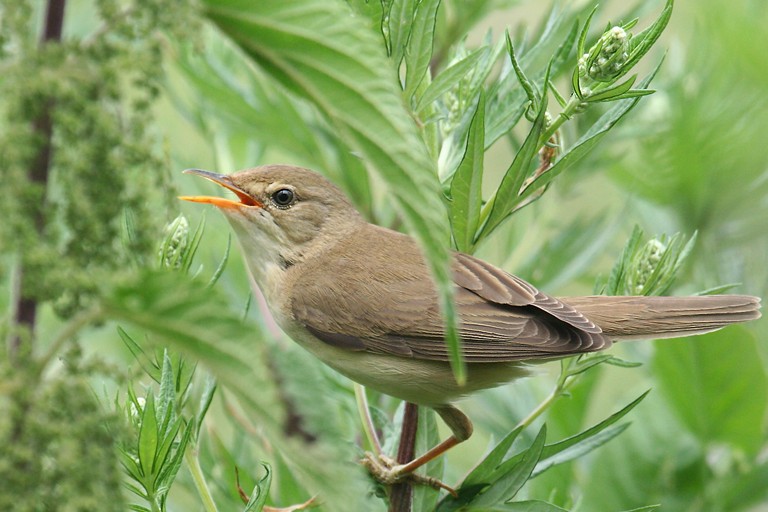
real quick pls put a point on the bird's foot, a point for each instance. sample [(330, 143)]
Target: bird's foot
[(387, 471)]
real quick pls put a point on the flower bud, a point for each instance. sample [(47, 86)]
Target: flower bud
[(174, 243), (646, 263), (606, 58)]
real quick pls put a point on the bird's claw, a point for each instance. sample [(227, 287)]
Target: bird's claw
[(387, 471)]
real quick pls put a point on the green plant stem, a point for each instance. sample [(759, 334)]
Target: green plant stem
[(365, 417), (539, 410), (70, 329), (197, 475), (564, 382)]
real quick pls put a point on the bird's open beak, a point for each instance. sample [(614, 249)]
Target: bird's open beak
[(226, 182)]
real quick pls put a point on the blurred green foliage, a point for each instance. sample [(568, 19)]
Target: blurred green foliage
[(398, 121)]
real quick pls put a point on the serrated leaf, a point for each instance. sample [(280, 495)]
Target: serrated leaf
[(188, 314), (323, 54), (450, 77), (418, 53), (511, 481), (466, 185)]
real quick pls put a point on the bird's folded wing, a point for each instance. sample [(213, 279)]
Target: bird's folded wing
[(502, 317)]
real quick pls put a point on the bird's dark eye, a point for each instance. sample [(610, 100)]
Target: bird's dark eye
[(283, 197)]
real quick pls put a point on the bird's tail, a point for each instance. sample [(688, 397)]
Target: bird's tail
[(665, 317)]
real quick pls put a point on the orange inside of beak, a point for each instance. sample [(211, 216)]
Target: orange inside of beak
[(245, 199)]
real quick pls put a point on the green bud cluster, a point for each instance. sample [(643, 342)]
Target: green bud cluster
[(605, 60), (175, 243), (646, 263)]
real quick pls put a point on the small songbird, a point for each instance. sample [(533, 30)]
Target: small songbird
[(361, 299)]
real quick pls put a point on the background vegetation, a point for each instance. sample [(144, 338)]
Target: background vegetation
[(111, 298)]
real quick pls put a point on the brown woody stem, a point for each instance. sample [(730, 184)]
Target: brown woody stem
[(402, 493)]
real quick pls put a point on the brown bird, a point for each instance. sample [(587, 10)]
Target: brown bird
[(361, 299)]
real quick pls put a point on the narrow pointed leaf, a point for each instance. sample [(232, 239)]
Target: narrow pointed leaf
[(571, 442), (507, 195), (419, 50), (527, 506), (467, 182), (399, 28), (524, 82), (148, 440), (483, 471), (509, 483), (261, 491), (642, 42), (612, 92), (450, 77)]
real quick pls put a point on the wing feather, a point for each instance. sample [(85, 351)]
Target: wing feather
[(395, 311)]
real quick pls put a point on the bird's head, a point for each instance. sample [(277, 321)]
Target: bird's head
[(282, 213)]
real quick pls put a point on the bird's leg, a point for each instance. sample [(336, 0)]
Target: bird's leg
[(388, 472)]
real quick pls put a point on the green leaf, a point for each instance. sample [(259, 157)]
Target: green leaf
[(526, 506), (205, 402), (322, 53), (587, 141), (187, 314), (467, 183), (223, 263), (399, 28), (260, 493), (509, 483), (484, 471), (145, 361), (642, 42), (578, 444), (507, 196), (613, 92), (524, 82), (580, 449), (148, 441), (167, 394), (451, 76), (418, 53), (170, 467), (717, 386)]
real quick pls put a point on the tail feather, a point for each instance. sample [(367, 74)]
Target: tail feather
[(638, 317)]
